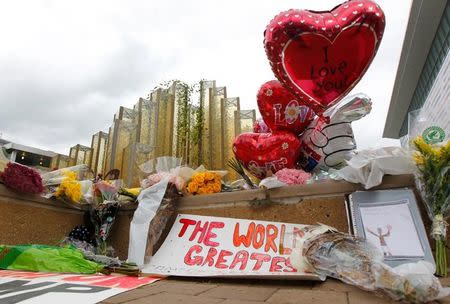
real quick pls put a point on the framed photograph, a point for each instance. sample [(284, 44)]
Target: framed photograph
[(391, 221)]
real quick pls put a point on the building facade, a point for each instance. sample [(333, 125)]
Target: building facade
[(168, 123), (421, 95)]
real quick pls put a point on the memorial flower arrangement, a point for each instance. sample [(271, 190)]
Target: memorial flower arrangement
[(70, 187), (205, 183), (22, 179), (433, 182), (293, 176), (103, 213)]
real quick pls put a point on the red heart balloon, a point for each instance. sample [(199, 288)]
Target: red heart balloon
[(260, 126), (321, 56), (280, 109), (261, 152)]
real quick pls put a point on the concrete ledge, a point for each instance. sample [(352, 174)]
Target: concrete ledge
[(33, 219)]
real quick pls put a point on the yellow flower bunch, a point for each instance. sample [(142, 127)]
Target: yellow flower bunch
[(205, 183), (70, 187), (427, 151), (433, 163)]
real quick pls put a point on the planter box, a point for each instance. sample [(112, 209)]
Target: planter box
[(31, 219)]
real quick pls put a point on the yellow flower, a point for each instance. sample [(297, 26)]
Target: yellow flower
[(70, 189), (134, 191), (418, 158), (423, 147)]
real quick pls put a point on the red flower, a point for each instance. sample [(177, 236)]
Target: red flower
[(22, 179)]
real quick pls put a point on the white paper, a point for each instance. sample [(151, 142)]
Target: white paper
[(391, 229)]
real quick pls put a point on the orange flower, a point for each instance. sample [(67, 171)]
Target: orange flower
[(199, 178), (201, 190), (217, 188), (192, 187), (209, 176)]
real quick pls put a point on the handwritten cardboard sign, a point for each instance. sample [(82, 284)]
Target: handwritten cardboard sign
[(37, 287), (215, 246)]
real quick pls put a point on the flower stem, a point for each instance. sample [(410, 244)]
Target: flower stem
[(441, 258)]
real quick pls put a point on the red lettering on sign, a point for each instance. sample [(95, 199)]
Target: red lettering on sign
[(221, 259), (243, 239), (274, 267), (258, 239), (289, 266), (199, 228), (188, 260), (260, 258), (210, 234), (298, 234), (283, 250), (210, 257), (271, 235), (186, 223), (240, 257)]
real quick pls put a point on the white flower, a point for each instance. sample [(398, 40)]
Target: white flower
[(291, 113)]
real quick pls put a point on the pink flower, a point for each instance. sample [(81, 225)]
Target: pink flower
[(157, 177), (293, 176)]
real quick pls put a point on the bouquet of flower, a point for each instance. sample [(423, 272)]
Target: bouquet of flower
[(293, 176), (205, 183), (73, 184), (103, 212), (69, 188), (433, 182), (22, 179)]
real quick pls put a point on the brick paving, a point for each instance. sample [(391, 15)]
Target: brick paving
[(232, 291)]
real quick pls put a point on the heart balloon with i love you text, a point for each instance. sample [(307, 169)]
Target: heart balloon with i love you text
[(321, 56), (261, 152), (280, 109)]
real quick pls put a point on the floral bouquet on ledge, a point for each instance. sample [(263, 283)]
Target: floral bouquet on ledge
[(103, 213), (433, 183), (22, 179)]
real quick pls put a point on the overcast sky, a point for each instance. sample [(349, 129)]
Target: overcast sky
[(66, 67)]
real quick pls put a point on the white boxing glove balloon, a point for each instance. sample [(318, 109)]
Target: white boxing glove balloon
[(329, 141)]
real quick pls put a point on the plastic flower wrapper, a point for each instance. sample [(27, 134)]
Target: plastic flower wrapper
[(327, 143), (72, 190), (76, 184), (357, 262), (83, 172), (430, 145), (433, 183), (166, 168), (106, 190), (103, 213), (22, 179), (144, 232)]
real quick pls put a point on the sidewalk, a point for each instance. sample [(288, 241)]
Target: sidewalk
[(232, 291)]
